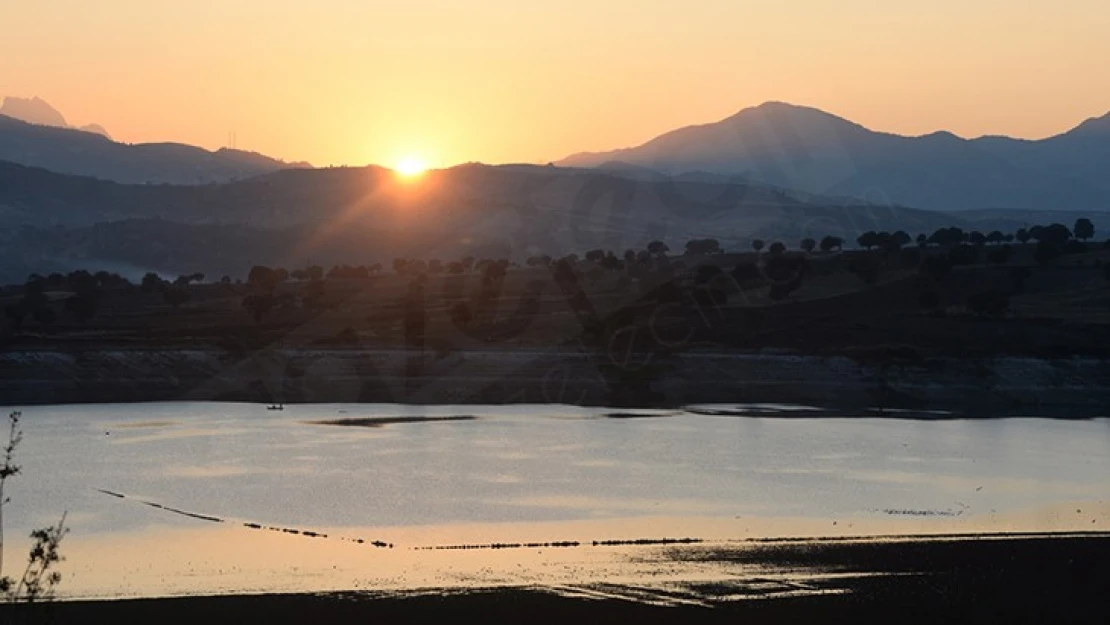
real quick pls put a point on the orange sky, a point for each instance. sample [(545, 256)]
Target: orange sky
[(356, 81)]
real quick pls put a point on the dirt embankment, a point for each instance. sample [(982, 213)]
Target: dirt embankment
[(989, 386)]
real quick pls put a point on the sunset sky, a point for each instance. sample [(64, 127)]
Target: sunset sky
[(356, 81)]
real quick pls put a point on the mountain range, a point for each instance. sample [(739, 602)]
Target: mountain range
[(74, 199), (35, 134), (805, 151), (809, 150)]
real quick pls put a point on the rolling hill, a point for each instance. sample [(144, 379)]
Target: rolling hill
[(55, 222), (89, 152)]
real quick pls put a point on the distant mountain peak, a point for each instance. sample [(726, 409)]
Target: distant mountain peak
[(942, 135), (96, 129), (33, 111), (785, 111), (809, 150)]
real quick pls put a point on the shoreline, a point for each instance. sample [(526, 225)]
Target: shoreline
[(1053, 578), (838, 385)]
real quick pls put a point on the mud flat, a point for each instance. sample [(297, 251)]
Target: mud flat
[(1029, 578)]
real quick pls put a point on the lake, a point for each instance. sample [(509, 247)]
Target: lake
[(165, 498)]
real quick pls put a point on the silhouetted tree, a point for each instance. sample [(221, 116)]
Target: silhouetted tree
[(151, 282), (700, 247), (830, 243), (656, 248), (757, 245), (897, 241), (1084, 229), (977, 238), (1052, 233), (262, 277), (595, 256), (808, 244), (107, 280), (611, 262), (946, 237), (494, 271), (868, 239), (922, 240), (399, 265), (777, 248), (996, 237), (81, 281), (1022, 235)]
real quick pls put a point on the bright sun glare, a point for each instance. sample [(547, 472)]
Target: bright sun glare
[(411, 167)]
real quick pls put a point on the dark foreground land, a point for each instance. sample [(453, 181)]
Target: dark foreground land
[(995, 579), (853, 330)]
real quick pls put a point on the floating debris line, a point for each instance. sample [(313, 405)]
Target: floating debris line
[(248, 524), (566, 544), (924, 513), (381, 544)]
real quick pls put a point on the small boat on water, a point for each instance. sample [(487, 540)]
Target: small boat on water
[(276, 407)]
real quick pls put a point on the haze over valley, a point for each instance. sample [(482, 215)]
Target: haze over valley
[(775, 171)]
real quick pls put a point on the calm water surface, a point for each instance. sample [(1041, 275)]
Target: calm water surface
[(533, 464)]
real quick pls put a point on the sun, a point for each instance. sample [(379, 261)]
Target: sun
[(410, 167)]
